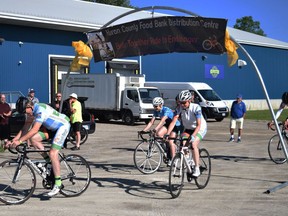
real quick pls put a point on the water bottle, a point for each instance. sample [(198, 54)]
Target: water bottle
[(191, 161), (41, 167), (48, 169)]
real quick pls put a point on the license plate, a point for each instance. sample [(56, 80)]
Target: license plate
[(86, 127)]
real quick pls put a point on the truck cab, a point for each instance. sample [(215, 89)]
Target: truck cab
[(137, 104)]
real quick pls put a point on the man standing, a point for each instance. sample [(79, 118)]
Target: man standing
[(31, 96), (76, 118), (238, 111), (5, 113)]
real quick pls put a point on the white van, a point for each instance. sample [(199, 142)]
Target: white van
[(212, 105)]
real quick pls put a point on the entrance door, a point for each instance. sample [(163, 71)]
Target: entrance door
[(60, 65)]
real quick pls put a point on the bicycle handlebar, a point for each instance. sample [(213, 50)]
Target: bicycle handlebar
[(271, 125), (22, 148), (151, 134)]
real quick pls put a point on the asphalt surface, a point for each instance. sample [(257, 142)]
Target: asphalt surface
[(241, 175)]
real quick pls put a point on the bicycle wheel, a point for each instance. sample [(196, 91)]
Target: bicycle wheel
[(176, 176), (205, 169), (147, 157), (83, 133), (275, 149), (75, 175), (18, 191)]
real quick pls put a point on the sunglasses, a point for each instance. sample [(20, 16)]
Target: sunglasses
[(155, 106), (183, 102), (58, 96)]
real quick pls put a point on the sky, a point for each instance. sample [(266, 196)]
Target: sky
[(272, 14)]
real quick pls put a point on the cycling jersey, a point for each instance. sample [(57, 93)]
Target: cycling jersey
[(166, 111), (190, 115), (54, 121), (49, 117)]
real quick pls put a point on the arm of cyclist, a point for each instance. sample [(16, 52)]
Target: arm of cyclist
[(149, 125), (160, 124), (172, 125), (277, 115), (20, 138)]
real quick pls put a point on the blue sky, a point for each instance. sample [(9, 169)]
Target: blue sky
[(272, 14)]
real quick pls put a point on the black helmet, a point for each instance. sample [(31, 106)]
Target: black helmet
[(285, 97), (21, 104)]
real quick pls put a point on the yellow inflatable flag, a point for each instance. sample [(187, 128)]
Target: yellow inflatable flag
[(83, 55), (231, 50)]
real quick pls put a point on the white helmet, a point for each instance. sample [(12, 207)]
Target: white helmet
[(157, 101), (184, 95)]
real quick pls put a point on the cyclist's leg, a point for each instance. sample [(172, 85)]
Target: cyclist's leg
[(195, 151), (36, 142), (171, 144), (162, 131), (57, 145)]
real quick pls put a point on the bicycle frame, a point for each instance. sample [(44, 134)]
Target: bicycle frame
[(23, 157)]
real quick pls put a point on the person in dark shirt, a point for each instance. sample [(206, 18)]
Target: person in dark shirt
[(238, 111), (5, 113)]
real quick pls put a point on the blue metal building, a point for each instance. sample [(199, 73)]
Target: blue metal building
[(35, 49)]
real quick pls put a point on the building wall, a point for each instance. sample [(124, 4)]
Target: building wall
[(39, 43)]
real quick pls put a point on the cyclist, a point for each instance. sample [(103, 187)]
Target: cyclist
[(55, 122), (193, 122), (283, 104), (166, 115)]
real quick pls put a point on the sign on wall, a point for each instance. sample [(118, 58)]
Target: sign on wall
[(214, 71), (159, 35)]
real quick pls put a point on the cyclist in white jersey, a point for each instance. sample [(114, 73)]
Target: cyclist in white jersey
[(193, 122), (55, 122)]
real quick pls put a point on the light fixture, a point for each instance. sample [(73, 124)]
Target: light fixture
[(2, 40), (204, 58), (20, 43), (20, 62), (241, 63)]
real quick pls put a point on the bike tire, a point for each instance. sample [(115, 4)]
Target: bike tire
[(205, 169), (83, 133), (75, 175), (21, 190), (207, 45), (147, 157), (275, 149), (176, 175)]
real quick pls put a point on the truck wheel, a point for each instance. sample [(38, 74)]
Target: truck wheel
[(128, 118), (219, 119)]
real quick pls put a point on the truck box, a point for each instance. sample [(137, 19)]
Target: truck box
[(212, 105), (113, 96)]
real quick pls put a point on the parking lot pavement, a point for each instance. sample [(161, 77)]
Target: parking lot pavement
[(241, 174)]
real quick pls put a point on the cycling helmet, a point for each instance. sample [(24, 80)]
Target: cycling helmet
[(157, 101), (285, 97), (184, 95), (21, 104)]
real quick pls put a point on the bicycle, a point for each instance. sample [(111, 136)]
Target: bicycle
[(212, 42), (275, 149), (149, 153), (181, 165), (18, 178), (71, 137)]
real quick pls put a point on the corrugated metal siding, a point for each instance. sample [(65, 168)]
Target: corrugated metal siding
[(40, 43), (37, 45), (272, 64)]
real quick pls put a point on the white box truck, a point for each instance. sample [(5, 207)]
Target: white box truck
[(212, 105), (113, 96)]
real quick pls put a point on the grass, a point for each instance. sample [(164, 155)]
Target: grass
[(265, 115)]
